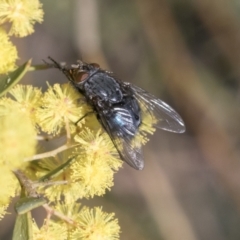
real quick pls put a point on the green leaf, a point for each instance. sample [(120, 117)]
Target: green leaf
[(55, 172), (39, 67), (7, 82), (23, 227), (26, 204)]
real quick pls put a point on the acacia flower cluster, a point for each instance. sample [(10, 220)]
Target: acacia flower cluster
[(82, 167), (86, 163), (17, 18), (8, 54), (90, 224)]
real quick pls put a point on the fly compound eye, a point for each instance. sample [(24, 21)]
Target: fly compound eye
[(81, 76), (95, 65)]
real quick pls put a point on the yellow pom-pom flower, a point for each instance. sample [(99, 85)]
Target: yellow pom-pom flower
[(17, 139), (94, 224), (89, 224), (91, 169), (9, 185), (28, 99), (50, 230), (3, 208), (60, 106), (96, 162), (71, 191), (8, 54), (22, 14)]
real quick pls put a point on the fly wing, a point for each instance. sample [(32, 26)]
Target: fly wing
[(168, 118), (121, 132)]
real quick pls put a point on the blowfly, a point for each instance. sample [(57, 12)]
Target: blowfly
[(119, 107)]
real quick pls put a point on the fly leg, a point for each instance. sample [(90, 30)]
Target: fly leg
[(85, 115)]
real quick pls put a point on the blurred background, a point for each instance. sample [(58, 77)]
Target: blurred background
[(188, 54)]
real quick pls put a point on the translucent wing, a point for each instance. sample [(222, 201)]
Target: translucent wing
[(168, 118), (121, 132)]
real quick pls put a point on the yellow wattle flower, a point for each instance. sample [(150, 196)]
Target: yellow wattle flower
[(96, 162), (22, 14), (9, 185), (17, 139), (59, 106), (3, 210), (8, 54), (50, 230), (28, 99), (94, 224)]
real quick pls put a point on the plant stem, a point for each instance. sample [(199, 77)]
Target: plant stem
[(26, 183), (67, 127), (52, 153), (51, 211), (45, 184)]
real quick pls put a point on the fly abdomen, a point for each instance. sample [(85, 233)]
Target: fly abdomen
[(126, 116)]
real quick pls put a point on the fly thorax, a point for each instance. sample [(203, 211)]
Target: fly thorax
[(104, 87)]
